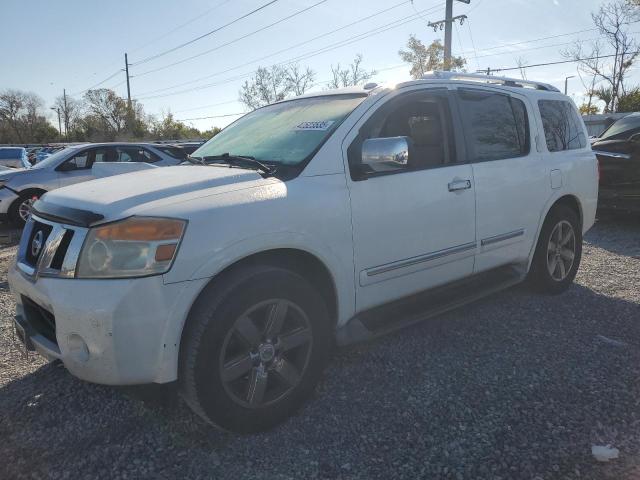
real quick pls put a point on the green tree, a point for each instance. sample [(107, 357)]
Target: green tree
[(424, 59), (604, 94), (630, 101), (586, 109)]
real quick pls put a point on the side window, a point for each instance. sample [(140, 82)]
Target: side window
[(104, 155), (81, 160), (135, 154), (496, 125), (424, 118), (562, 126)]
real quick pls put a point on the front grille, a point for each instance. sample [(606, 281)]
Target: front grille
[(49, 249), (41, 319), (36, 241)]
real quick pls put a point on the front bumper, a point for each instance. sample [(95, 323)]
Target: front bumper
[(115, 332), (7, 197)]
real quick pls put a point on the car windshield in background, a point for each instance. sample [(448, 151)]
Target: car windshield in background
[(10, 153), (286, 133), (623, 128)]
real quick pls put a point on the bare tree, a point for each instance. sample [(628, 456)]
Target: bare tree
[(108, 109), (11, 105), (590, 90), (522, 63), (353, 75), (424, 59), (71, 113), (612, 20), (299, 80), (268, 85)]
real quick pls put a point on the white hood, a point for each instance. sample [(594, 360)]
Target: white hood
[(132, 192)]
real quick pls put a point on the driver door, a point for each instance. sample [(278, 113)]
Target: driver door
[(413, 227)]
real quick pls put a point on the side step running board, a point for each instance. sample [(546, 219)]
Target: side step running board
[(416, 308)]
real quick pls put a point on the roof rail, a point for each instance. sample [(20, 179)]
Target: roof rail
[(478, 77)]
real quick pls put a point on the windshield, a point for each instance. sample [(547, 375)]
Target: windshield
[(52, 159), (622, 129), (10, 153), (285, 133)]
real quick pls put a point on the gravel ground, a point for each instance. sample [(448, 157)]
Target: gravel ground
[(515, 386)]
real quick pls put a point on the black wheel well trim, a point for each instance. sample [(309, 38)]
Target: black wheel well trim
[(28, 190), (297, 260)]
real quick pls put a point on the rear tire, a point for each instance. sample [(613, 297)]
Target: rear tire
[(254, 348), (558, 252)]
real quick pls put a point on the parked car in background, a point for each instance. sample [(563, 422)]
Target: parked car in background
[(14, 157), (618, 152), (46, 152), (312, 220), (74, 164)]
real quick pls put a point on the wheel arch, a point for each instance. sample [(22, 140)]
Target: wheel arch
[(569, 200), (297, 260)]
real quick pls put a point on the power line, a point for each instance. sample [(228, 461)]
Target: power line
[(557, 63), (299, 12), (333, 46), (188, 22), (200, 37), (380, 12), (98, 84)]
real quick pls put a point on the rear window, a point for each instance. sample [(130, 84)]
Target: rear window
[(10, 153), (495, 125), (563, 128)]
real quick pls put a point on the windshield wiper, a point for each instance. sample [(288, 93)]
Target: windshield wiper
[(237, 160)]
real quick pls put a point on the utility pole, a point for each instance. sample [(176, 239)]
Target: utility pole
[(57, 109), (66, 114), (447, 23), (129, 107), (126, 69)]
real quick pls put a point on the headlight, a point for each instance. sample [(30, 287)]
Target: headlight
[(135, 247)]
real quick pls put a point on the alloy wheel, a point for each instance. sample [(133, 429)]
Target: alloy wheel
[(561, 250), (266, 353), (24, 210)]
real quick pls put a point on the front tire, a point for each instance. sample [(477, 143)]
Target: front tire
[(558, 252), (254, 349), (20, 209)]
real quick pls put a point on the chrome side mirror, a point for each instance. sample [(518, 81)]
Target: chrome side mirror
[(385, 154)]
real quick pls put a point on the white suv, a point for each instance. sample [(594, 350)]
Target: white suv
[(335, 216)]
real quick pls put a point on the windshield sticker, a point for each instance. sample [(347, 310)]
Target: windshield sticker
[(323, 125)]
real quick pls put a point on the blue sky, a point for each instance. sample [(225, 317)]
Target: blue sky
[(75, 44)]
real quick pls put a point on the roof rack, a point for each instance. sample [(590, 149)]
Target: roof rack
[(477, 77)]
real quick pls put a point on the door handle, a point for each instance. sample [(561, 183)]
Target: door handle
[(459, 185)]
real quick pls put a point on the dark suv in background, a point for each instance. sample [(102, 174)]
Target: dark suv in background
[(618, 152)]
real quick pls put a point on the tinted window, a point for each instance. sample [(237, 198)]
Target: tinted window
[(562, 127), (495, 125), (135, 154), (424, 118), (623, 128), (10, 153)]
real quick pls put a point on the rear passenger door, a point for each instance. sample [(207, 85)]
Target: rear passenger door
[(511, 183)]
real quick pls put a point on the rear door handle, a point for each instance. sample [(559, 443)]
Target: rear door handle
[(456, 185)]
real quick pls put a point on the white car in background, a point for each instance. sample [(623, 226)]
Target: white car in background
[(336, 216), (73, 164)]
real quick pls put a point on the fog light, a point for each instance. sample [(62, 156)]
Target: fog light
[(78, 349)]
